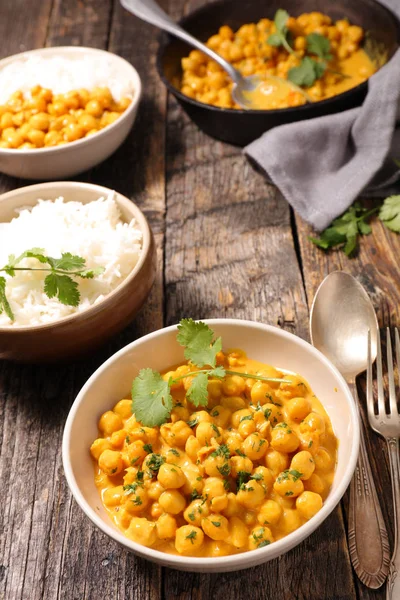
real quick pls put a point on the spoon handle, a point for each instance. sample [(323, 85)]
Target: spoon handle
[(367, 536), (151, 12)]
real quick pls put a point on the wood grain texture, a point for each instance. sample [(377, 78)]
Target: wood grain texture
[(48, 548), (376, 267)]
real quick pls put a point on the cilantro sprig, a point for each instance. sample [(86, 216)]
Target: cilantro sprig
[(344, 232), (311, 69), (281, 35), (59, 282), (152, 401)]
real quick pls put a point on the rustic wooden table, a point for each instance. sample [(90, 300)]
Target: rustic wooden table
[(228, 246)]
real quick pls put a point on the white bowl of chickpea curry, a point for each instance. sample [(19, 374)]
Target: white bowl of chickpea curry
[(242, 441), (45, 134)]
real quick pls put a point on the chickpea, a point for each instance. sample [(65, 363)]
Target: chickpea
[(6, 120), (239, 415), (270, 513), (40, 121), (260, 392), (110, 462), (290, 520), (213, 487), (59, 108), (192, 447), (323, 460), (123, 408), (196, 511), (308, 504), (142, 531), (273, 413), (298, 408), (73, 132), (251, 495), (171, 476), (155, 490), (113, 496), (238, 533), (205, 432), (233, 507), (188, 539), (166, 526), (93, 107), (109, 421), (13, 138), (264, 477), (313, 423), (303, 462), (233, 385), (172, 502), (259, 537), (52, 138), (36, 137), (240, 463), (233, 403), (276, 461), (215, 526), (288, 483), (98, 447), (315, 484), (214, 386), (219, 503), (87, 122), (221, 416), (284, 439), (217, 466), (254, 446)]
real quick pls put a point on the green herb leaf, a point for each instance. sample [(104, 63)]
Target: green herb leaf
[(148, 448), (67, 262), (308, 71), (91, 273), (197, 338), (280, 38), (389, 213), (319, 45), (62, 286), (346, 229), (198, 391), (4, 304), (151, 398)]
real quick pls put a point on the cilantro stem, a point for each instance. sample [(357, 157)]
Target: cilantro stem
[(259, 377), (228, 372), (57, 271)]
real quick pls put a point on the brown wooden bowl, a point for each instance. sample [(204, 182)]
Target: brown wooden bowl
[(74, 335)]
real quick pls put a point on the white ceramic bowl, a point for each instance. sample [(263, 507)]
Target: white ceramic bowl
[(159, 350), (75, 157)]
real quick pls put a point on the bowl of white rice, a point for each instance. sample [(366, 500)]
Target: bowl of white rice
[(111, 237), (63, 69)]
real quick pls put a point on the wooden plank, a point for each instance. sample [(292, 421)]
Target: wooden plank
[(376, 268), (230, 253), (49, 549)]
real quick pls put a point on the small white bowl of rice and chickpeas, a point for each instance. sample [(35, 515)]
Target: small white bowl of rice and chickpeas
[(64, 110)]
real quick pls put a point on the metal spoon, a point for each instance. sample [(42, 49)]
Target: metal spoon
[(341, 316), (149, 11)]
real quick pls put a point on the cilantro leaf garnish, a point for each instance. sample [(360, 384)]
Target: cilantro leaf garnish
[(308, 71), (192, 536), (319, 45), (58, 283), (151, 398), (4, 304), (280, 37), (62, 287), (152, 401), (197, 338), (389, 213), (198, 392)]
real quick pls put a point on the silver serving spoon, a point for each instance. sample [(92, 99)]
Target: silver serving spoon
[(341, 316), (150, 11)]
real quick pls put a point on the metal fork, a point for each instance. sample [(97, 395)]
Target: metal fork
[(387, 424)]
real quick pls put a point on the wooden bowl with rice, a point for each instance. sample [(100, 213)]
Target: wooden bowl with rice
[(69, 334)]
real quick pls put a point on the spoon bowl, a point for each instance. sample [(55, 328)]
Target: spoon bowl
[(341, 316)]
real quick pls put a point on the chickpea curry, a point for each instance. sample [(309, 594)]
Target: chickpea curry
[(44, 119), (319, 57), (240, 458)]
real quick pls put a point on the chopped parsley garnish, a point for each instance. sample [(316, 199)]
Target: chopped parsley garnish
[(194, 495), (222, 450), (263, 543), (240, 453), (289, 493), (285, 475), (257, 476), (192, 536), (193, 422), (173, 451), (191, 516), (155, 462), (242, 478), (310, 443), (148, 448), (137, 501), (224, 470), (246, 418), (267, 413), (216, 523)]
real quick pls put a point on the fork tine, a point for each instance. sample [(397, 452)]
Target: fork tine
[(370, 393), (379, 377), (392, 391), (397, 340)]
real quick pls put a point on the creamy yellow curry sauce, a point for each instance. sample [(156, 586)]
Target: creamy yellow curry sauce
[(249, 51), (246, 470)]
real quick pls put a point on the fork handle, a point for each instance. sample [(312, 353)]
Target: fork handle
[(367, 536), (393, 582)]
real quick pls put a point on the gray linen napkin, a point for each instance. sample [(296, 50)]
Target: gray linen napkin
[(321, 165)]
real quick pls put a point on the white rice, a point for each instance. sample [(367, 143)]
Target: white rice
[(62, 75), (93, 231)]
